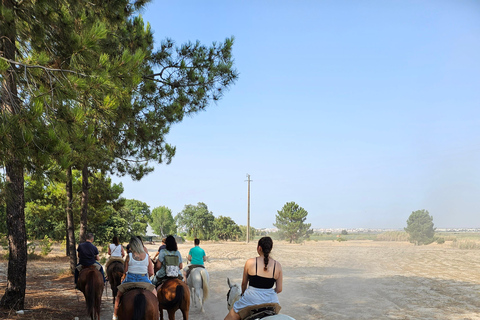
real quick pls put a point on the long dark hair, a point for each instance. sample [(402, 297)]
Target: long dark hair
[(266, 244), (115, 240), (171, 243)]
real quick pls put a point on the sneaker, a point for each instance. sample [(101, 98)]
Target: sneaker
[(114, 317)]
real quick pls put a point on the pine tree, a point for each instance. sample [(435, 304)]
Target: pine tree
[(291, 223)]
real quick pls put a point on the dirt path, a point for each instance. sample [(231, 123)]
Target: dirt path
[(322, 280)]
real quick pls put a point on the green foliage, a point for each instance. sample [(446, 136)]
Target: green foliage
[(45, 198), (420, 227), (197, 221), (45, 246), (226, 229), (344, 232), (162, 221), (290, 222), (243, 236), (4, 244), (440, 240)]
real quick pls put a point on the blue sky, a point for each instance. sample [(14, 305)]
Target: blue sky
[(359, 111)]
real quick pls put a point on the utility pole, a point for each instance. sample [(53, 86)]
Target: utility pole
[(248, 215)]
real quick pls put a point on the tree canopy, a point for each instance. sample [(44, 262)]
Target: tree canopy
[(420, 227), (226, 228), (197, 221), (81, 86), (290, 222), (162, 221)]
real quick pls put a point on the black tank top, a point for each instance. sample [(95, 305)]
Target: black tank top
[(262, 282)]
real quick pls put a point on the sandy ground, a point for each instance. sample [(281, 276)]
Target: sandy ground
[(343, 280)]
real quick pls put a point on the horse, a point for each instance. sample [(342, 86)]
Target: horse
[(90, 282), (115, 272), (198, 283), (172, 295), (138, 304), (234, 294)]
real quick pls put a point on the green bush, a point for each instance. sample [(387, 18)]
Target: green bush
[(46, 246), (440, 240)]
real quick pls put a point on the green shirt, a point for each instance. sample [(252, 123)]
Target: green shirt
[(197, 254)]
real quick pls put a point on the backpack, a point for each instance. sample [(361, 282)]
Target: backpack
[(171, 265)]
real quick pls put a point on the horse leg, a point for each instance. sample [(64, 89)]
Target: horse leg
[(193, 297), (200, 298), (161, 313), (171, 314)]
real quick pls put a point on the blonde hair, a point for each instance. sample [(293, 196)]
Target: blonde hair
[(136, 245)]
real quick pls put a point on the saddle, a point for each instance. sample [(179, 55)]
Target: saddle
[(191, 267), (160, 281), (124, 287), (81, 267), (259, 311)]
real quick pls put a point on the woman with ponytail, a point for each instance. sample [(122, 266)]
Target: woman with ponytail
[(264, 278)]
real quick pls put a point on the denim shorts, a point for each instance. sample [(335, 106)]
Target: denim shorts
[(134, 277)]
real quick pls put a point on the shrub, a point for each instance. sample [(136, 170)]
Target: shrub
[(46, 246)]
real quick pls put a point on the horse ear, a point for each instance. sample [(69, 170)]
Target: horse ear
[(228, 281)]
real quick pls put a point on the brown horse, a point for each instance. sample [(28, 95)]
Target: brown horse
[(138, 304), (90, 282), (172, 295), (115, 272)]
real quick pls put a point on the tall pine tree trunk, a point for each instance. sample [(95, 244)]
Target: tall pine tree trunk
[(83, 218), (70, 226), (14, 297)]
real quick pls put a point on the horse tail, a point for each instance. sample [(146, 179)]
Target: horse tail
[(139, 306), (205, 284), (179, 292), (90, 298)]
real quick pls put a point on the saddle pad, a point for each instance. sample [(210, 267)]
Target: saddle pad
[(96, 266), (245, 313), (135, 285)]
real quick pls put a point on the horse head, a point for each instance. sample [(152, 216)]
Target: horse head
[(234, 294)]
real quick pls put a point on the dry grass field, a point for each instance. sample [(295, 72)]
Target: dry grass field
[(322, 280)]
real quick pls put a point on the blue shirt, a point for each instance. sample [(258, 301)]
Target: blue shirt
[(197, 254), (87, 253)]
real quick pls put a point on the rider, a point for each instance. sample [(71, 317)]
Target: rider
[(264, 278), (170, 261), (87, 255), (138, 268), (116, 252), (163, 246), (197, 257)]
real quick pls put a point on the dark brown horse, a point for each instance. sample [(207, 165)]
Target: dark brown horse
[(172, 295), (138, 304), (90, 282), (115, 272)]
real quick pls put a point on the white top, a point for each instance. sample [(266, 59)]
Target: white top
[(116, 251), (138, 267)]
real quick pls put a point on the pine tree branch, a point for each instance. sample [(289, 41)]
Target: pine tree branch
[(42, 67)]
